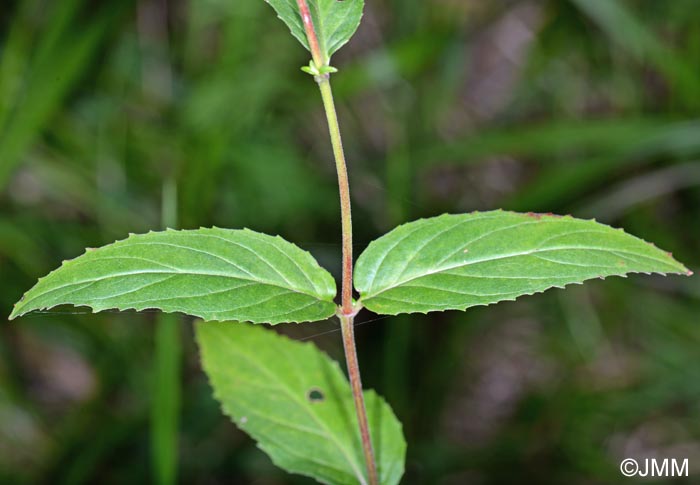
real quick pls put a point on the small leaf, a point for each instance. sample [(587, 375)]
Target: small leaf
[(453, 262), (214, 274), (296, 403), (335, 21)]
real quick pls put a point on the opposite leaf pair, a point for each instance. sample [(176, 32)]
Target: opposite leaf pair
[(290, 397), (450, 262)]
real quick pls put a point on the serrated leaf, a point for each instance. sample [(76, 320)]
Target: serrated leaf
[(453, 262), (214, 274), (335, 21), (297, 404)]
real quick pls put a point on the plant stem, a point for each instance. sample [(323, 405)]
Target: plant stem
[(348, 330), (344, 189), (348, 309)]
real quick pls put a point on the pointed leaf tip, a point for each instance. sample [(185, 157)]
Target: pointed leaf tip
[(422, 266), (266, 381), (208, 273)]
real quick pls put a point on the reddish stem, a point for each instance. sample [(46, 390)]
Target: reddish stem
[(348, 330), (314, 47), (348, 309)]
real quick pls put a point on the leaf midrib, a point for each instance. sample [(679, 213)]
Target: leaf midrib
[(240, 244), (348, 456), (418, 227), (181, 273), (506, 256), (244, 246), (250, 410)]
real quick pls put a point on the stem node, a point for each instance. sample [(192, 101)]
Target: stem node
[(319, 68)]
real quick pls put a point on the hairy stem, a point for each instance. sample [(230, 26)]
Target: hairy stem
[(348, 309), (348, 330), (344, 189)]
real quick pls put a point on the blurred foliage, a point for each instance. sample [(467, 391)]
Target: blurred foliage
[(571, 106)]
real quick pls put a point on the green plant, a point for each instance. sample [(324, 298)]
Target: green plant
[(291, 398)]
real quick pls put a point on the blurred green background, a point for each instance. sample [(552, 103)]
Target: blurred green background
[(110, 112)]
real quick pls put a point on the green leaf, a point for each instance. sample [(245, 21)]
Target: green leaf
[(214, 274), (296, 403), (453, 262), (335, 21)]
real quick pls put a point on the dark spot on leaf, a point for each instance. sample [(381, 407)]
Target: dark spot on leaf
[(315, 395), (540, 215)]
